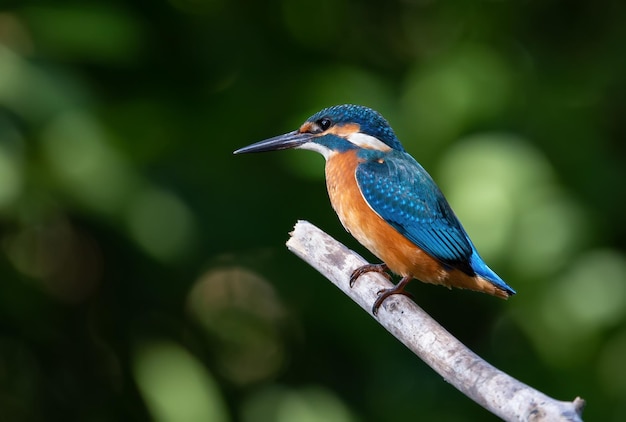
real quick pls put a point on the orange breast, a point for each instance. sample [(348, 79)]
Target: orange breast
[(401, 255)]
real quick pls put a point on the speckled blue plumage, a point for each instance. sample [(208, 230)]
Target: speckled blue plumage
[(401, 192)]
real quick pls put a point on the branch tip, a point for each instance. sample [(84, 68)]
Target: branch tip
[(493, 389)]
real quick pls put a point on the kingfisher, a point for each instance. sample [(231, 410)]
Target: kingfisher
[(387, 201)]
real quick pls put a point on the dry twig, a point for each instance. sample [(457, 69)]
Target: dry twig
[(493, 389)]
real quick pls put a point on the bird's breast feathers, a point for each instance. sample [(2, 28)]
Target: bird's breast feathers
[(400, 254)]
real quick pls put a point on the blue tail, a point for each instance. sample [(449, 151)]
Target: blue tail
[(479, 266)]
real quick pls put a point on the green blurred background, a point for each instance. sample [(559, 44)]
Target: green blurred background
[(143, 273)]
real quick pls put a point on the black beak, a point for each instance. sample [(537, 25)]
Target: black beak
[(288, 140)]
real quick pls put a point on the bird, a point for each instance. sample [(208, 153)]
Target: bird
[(387, 201)]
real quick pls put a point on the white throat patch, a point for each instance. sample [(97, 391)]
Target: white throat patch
[(313, 146)]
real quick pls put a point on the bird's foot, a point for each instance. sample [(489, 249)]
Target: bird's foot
[(368, 268), (398, 289)]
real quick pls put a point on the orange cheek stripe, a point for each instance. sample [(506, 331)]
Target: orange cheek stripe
[(344, 130)]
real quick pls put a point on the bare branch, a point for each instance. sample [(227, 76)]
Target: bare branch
[(493, 389)]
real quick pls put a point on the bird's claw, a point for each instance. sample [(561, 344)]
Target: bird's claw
[(383, 294), (367, 268), (398, 289)]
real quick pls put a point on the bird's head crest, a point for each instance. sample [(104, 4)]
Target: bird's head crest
[(360, 125)]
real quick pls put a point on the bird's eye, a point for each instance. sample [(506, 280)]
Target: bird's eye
[(324, 123)]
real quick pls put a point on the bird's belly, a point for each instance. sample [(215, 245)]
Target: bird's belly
[(401, 255)]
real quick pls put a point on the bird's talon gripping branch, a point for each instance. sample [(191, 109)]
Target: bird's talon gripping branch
[(378, 268), (398, 289)]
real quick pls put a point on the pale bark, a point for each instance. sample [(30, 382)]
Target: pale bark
[(493, 389)]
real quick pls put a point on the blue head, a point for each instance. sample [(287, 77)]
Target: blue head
[(335, 129)]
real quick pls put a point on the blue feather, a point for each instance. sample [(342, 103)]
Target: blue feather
[(401, 192)]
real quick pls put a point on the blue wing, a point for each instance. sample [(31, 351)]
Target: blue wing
[(401, 192)]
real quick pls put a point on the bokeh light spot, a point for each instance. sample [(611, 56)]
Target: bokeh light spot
[(469, 84), (487, 178), (588, 297), (78, 153), (548, 233), (175, 386), (243, 315), (66, 261), (593, 290), (161, 223), (309, 404)]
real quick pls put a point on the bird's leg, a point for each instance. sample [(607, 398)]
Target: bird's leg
[(368, 268), (397, 289)]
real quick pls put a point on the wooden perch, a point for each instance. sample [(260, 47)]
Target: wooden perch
[(496, 391)]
